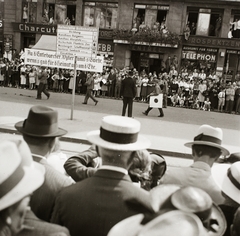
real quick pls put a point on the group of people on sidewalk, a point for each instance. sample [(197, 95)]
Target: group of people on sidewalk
[(116, 187)]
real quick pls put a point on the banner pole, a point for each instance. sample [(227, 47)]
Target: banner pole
[(74, 86)]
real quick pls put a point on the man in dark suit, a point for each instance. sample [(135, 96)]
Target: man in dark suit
[(40, 131), (128, 92), (94, 205)]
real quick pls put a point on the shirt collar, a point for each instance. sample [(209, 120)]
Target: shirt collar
[(42, 157), (114, 168)]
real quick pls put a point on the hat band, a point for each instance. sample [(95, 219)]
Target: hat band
[(207, 138), (233, 180), (11, 181), (40, 129), (119, 138)]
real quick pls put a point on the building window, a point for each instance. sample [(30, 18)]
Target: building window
[(234, 22), (151, 16), (100, 14), (58, 14), (29, 11), (205, 22)]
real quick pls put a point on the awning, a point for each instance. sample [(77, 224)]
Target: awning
[(46, 42)]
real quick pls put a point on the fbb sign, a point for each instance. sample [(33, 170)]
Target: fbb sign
[(105, 47)]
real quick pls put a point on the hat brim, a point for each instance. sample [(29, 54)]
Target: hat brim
[(141, 143), (218, 215), (219, 173), (127, 227), (225, 152), (33, 178), (20, 128)]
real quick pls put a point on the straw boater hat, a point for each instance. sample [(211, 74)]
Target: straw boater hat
[(227, 178), (19, 175), (171, 223), (119, 133), (209, 136), (41, 122)]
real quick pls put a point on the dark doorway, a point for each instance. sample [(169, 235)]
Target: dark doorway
[(28, 40)]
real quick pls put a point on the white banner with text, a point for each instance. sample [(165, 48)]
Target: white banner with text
[(53, 59)]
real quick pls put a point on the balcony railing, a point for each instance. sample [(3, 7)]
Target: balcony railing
[(147, 36)]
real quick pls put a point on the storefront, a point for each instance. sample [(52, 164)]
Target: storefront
[(232, 65), (199, 58), (106, 47)]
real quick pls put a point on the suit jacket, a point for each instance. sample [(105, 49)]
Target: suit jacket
[(128, 88), (42, 200), (93, 206), (197, 175), (37, 227)]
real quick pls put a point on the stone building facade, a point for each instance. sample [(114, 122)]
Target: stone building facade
[(203, 27)]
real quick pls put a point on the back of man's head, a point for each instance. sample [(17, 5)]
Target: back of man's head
[(205, 153), (235, 227)]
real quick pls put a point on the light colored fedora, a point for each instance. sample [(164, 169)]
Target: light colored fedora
[(170, 223), (227, 177), (210, 136), (19, 175), (41, 122), (197, 201), (119, 133)]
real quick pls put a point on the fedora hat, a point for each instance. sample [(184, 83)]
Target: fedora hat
[(170, 223), (210, 136), (41, 122), (19, 175), (119, 133), (227, 177), (197, 201)]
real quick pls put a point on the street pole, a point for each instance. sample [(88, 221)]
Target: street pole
[(74, 86)]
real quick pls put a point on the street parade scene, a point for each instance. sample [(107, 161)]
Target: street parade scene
[(119, 118)]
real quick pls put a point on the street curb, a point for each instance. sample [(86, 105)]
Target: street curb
[(86, 142)]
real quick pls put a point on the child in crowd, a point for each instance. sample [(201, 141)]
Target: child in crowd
[(221, 100), (207, 105)]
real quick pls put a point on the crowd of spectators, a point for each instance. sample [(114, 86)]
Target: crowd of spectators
[(187, 88)]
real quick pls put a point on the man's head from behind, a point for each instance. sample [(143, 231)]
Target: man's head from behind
[(40, 127), (208, 141), (117, 140)]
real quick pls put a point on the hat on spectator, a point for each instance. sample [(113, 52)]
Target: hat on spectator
[(41, 122), (119, 133), (227, 177), (197, 201), (209, 136), (169, 223), (19, 175)]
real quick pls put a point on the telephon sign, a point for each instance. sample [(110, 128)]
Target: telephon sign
[(198, 56)]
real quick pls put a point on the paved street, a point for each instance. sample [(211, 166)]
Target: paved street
[(167, 134)]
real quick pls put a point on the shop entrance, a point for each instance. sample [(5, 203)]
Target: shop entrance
[(232, 66), (28, 40), (148, 61)]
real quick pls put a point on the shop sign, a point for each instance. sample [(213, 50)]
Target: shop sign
[(105, 34), (233, 52), (105, 47), (35, 28), (198, 56), (232, 43), (200, 49), (53, 59), (145, 48)]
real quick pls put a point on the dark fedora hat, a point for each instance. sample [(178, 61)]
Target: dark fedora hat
[(41, 122)]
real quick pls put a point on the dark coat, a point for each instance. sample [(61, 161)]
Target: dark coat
[(93, 206), (128, 88), (42, 200)]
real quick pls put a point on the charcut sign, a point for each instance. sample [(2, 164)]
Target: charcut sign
[(35, 28)]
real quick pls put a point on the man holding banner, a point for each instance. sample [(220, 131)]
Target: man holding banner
[(156, 99)]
